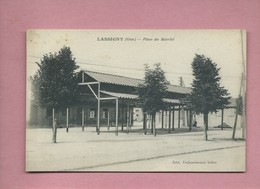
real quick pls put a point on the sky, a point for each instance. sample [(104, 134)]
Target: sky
[(95, 51)]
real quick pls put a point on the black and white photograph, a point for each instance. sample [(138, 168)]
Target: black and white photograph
[(125, 100)]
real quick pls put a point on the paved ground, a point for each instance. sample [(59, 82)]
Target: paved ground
[(178, 151)]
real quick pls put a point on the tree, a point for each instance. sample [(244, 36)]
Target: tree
[(207, 95), (152, 91), (55, 83)]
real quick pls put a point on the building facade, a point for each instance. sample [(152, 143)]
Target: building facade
[(111, 100)]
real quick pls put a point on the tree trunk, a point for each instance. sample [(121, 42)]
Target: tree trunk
[(222, 118), (183, 117), (127, 118), (179, 117), (54, 127), (144, 123), (162, 118), (154, 125), (190, 120), (206, 126), (54, 135), (149, 121)]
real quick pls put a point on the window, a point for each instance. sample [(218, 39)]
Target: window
[(92, 113), (104, 113)]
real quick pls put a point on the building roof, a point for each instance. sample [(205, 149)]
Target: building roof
[(179, 89), (120, 95), (127, 81), (133, 96), (113, 79)]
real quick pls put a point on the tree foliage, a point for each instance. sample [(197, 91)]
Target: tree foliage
[(207, 95), (153, 90), (54, 84)]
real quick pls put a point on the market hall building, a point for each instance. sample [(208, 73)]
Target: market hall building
[(108, 100)]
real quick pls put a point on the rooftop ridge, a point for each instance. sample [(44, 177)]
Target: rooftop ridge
[(112, 75), (126, 77)]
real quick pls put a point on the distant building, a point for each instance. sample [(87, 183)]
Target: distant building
[(229, 114)]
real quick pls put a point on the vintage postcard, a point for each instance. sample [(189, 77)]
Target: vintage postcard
[(136, 101)]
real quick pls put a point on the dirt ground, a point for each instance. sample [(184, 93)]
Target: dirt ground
[(176, 151)]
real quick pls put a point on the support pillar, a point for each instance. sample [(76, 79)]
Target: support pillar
[(127, 117), (83, 118), (122, 116), (108, 124), (235, 124), (98, 110), (117, 116), (130, 117), (179, 117), (53, 117), (166, 120), (173, 117), (67, 121), (169, 121)]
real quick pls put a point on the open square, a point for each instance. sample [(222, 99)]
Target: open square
[(178, 151)]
